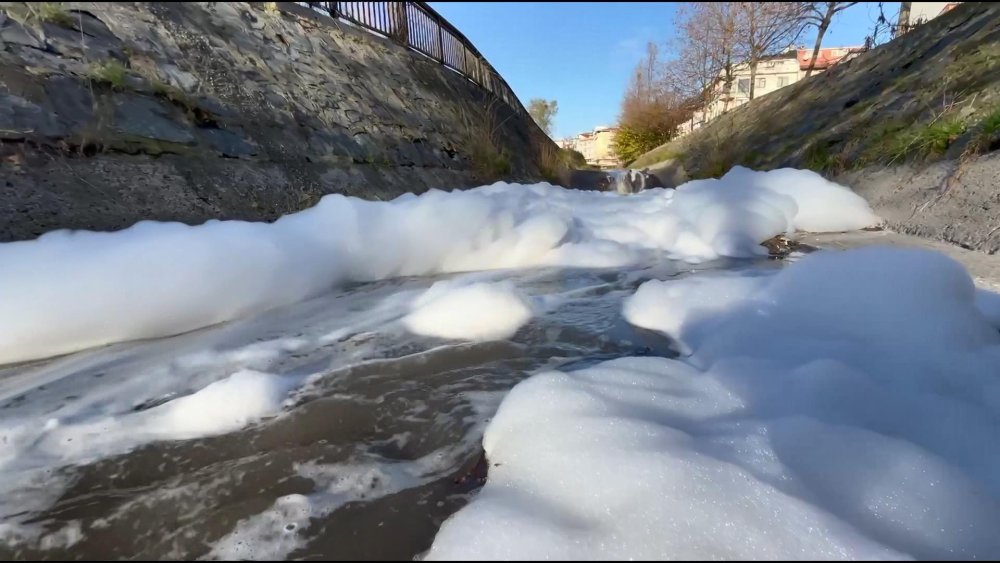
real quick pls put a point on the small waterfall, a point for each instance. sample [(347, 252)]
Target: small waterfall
[(627, 181)]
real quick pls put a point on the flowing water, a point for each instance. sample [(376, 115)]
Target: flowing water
[(367, 458)]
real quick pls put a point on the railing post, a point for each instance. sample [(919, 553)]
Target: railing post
[(440, 41), (401, 28)]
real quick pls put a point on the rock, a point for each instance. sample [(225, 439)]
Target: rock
[(137, 84), (75, 44), (632, 181), (367, 149), (589, 180), (20, 118), (71, 100), (92, 26), (180, 78), (38, 61), (669, 173), (21, 82), (407, 154), (325, 143), (215, 107), (17, 34), (145, 117), (474, 476), (780, 246), (427, 156), (228, 143)]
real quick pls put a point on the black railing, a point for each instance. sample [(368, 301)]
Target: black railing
[(418, 26)]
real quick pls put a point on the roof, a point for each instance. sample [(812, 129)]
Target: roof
[(949, 7), (826, 57)]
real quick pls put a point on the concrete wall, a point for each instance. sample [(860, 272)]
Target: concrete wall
[(192, 111)]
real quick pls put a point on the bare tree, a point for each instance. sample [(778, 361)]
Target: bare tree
[(768, 28), (644, 89), (707, 49), (694, 71), (881, 30), (820, 14)]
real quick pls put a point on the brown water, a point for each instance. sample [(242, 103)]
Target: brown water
[(362, 465)]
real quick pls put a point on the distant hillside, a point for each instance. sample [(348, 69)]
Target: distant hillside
[(926, 104)]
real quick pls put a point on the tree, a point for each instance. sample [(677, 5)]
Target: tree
[(768, 28), (707, 45), (882, 30), (651, 109), (543, 111), (820, 14)]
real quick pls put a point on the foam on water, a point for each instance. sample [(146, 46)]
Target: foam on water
[(70, 290), (846, 407), (479, 311)]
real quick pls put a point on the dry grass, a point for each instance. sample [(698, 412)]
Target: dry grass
[(481, 132), (37, 13), (554, 164)]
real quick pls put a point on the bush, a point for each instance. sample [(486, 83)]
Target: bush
[(54, 13), (632, 142), (932, 139), (988, 137), (110, 72), (37, 13)]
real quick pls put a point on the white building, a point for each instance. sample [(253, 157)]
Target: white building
[(772, 74), (923, 12)]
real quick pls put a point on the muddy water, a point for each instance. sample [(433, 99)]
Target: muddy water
[(364, 462)]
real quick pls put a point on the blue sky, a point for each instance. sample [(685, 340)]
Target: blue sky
[(581, 54)]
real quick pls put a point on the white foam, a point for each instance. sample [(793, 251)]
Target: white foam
[(846, 408), (70, 290), (821, 205), (673, 306), (223, 406), (478, 311)]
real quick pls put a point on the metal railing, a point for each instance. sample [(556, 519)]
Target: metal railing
[(418, 26)]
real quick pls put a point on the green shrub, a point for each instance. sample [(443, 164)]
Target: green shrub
[(54, 13), (818, 157), (110, 72), (630, 143), (932, 139), (36, 13)]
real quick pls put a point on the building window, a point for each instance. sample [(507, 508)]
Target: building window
[(782, 81), (761, 82), (743, 86)]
